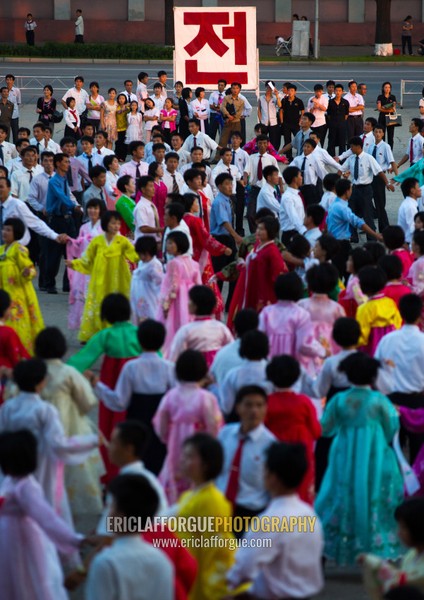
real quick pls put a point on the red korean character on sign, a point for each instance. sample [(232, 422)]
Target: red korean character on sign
[(207, 35)]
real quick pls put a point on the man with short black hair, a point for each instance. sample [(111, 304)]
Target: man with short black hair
[(7, 150), (216, 121), (6, 109), (78, 92), (15, 98), (414, 149), (292, 108), (232, 110), (79, 27), (317, 105), (355, 120)]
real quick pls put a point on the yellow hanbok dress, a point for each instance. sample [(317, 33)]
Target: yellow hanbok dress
[(107, 264), (25, 315), (214, 558)]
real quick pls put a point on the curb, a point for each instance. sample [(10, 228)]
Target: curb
[(116, 61)]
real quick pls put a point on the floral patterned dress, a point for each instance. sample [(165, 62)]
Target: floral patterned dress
[(110, 121), (363, 484), (16, 274)]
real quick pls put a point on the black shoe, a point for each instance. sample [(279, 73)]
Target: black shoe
[(42, 289), (66, 290), (52, 291)]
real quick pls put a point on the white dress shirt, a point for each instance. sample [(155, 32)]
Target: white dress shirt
[(131, 569), (130, 168), (184, 228), (250, 372), (110, 186), (417, 148), (247, 109), (15, 98), (267, 199), (251, 490), (21, 179), (252, 166), (405, 348), (9, 153), (368, 168), (368, 140), (312, 235), (355, 100), (208, 171), (226, 359), (317, 112), (241, 158), (101, 153), (291, 566), (185, 158), (292, 212), (81, 98), (13, 207), (51, 146), (407, 211), (204, 141), (327, 200), (37, 195), (269, 109), (145, 213), (221, 168), (168, 180), (383, 155), (79, 25), (131, 97), (311, 168)]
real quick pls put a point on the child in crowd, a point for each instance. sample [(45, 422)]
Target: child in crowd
[(352, 296), (419, 220), (416, 272), (75, 249), (25, 514), (381, 575), (394, 289), (376, 250), (72, 120), (183, 411), (394, 240), (363, 422), (16, 274), (137, 393), (205, 333), (71, 394), (289, 326), (270, 572), (118, 343), (146, 280), (28, 411), (300, 248), (329, 184), (292, 417), (150, 117), (12, 350), (321, 279), (181, 274), (379, 315), (125, 204), (135, 124), (106, 261)]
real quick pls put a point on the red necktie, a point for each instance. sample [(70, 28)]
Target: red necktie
[(260, 168), (99, 151), (363, 138), (411, 151), (233, 479)]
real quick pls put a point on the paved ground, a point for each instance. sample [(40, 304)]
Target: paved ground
[(339, 582)]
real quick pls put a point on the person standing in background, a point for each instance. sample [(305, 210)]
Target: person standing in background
[(407, 28), (15, 98), (30, 25), (79, 28)]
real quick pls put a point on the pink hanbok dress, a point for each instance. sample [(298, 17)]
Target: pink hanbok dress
[(183, 411), (324, 312), (78, 281), (205, 334), (413, 420), (290, 330), (416, 279), (182, 273), (31, 535), (159, 200)]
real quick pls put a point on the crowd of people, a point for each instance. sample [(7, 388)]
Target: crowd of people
[(275, 372)]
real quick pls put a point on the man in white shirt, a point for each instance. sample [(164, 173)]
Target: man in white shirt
[(414, 149), (136, 167), (292, 212), (225, 166), (240, 158), (247, 490), (21, 178), (128, 91), (174, 221), (100, 148), (401, 353), (177, 142), (215, 100), (16, 100), (355, 120), (313, 172), (146, 218), (367, 137), (79, 93), (197, 138), (196, 158), (291, 566), (362, 168), (268, 196), (408, 209), (79, 27), (254, 174), (131, 564), (172, 178), (268, 106), (317, 105), (40, 142), (383, 154), (314, 216), (37, 194), (306, 122), (7, 150)]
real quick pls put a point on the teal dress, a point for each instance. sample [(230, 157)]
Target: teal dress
[(416, 171), (363, 484)]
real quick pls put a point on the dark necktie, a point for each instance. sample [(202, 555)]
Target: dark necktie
[(302, 139), (229, 170), (234, 477), (1, 154), (259, 174), (302, 169), (233, 160), (356, 169), (90, 163), (374, 152), (30, 174), (175, 188), (129, 97), (99, 151), (39, 151), (276, 195), (69, 177), (411, 151), (137, 176), (102, 196), (194, 143)]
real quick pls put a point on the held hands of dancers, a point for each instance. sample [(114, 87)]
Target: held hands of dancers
[(228, 252), (62, 238)]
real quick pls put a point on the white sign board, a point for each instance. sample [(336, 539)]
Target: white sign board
[(215, 43)]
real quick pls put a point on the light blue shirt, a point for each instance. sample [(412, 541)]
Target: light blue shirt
[(58, 196), (340, 219), (220, 213)]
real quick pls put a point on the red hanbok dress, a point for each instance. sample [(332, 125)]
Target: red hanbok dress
[(255, 285), (292, 418), (205, 246), (12, 351), (205, 209)]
